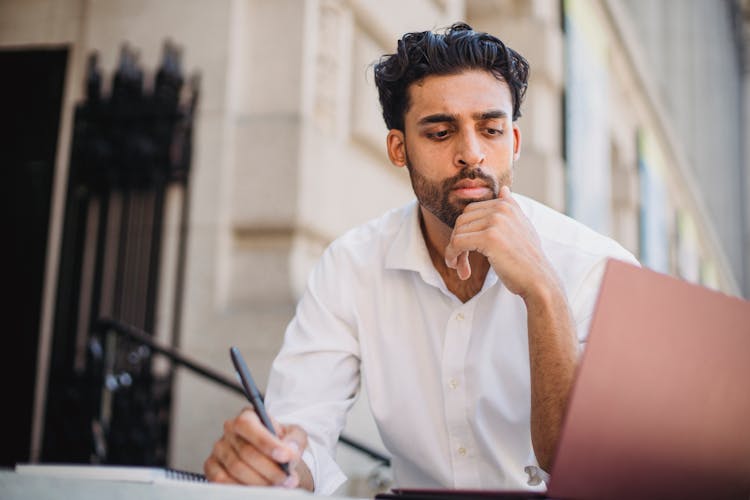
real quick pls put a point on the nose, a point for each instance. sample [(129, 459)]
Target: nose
[(469, 152)]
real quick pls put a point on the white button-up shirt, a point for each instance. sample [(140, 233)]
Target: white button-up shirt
[(448, 382)]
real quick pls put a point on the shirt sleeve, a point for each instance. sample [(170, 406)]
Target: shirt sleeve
[(315, 378), (583, 301), (538, 477)]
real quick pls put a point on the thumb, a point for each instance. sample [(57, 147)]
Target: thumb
[(296, 440), (506, 195)]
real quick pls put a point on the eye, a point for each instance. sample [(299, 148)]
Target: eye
[(494, 131), (440, 134)]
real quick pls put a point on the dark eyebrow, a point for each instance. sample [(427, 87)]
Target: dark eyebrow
[(490, 115), (437, 118)]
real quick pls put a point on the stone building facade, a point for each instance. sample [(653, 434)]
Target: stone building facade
[(289, 149)]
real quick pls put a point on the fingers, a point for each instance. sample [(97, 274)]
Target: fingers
[(468, 234), (505, 194), (226, 465), (277, 427), (463, 267), (466, 237), (249, 426), (457, 253), (255, 452), (247, 453), (504, 203), (296, 440), (215, 472)]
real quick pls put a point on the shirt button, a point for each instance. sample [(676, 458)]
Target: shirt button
[(460, 316), (452, 384), (462, 451)]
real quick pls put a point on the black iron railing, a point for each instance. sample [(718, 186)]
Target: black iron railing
[(107, 329), (124, 241)]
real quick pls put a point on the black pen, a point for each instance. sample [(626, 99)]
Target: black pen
[(253, 394)]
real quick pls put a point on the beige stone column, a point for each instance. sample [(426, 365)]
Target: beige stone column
[(243, 213)]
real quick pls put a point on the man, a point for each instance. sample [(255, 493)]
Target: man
[(463, 314)]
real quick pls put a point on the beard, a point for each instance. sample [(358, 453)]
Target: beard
[(435, 196)]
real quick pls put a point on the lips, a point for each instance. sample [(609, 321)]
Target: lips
[(470, 184), (471, 188)]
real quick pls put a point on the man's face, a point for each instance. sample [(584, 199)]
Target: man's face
[(459, 141)]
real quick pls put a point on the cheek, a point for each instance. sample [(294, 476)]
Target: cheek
[(504, 153), (428, 160), (500, 165)]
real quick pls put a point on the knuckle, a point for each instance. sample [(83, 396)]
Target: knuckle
[(218, 449), (246, 416), (246, 425), (494, 232), (252, 420)]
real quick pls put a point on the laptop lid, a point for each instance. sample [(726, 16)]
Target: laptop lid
[(661, 403)]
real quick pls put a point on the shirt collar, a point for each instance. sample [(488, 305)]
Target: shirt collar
[(408, 251)]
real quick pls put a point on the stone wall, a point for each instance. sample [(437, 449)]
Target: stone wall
[(289, 153)]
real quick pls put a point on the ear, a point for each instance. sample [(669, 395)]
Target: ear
[(516, 142), (396, 147)]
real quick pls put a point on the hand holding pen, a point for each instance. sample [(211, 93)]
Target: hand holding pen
[(254, 451), (253, 395)]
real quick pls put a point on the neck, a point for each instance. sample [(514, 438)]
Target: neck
[(437, 235)]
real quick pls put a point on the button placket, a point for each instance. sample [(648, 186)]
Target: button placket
[(457, 337)]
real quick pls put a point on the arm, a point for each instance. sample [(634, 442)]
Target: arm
[(553, 359), (500, 231), (313, 382)]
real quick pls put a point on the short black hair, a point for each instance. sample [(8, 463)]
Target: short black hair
[(458, 48)]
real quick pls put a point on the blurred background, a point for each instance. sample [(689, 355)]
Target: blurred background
[(177, 166)]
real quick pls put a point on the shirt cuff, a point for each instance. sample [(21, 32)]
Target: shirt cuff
[(536, 474), (327, 475)]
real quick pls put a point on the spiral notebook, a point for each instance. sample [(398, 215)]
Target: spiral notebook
[(111, 472)]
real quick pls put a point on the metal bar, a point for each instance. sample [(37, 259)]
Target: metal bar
[(106, 324)]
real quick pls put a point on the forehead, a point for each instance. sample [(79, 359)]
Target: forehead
[(467, 92)]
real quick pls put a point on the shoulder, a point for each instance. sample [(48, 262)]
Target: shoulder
[(577, 253), (368, 243), (564, 238)]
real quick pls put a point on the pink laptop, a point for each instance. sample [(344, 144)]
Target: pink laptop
[(661, 404)]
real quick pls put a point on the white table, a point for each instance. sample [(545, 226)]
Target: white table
[(19, 486)]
